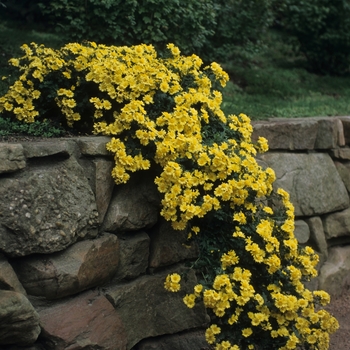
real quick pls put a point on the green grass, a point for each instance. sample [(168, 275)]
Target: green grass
[(274, 82)]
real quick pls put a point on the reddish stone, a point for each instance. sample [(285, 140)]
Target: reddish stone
[(86, 321)]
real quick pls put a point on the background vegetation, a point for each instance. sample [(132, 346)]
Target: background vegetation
[(280, 64)]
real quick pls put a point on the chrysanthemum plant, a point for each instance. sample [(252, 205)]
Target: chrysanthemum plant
[(165, 113)]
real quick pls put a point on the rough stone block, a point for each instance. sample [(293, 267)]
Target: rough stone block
[(103, 185), (330, 133), (334, 276), (19, 322), (46, 209), (317, 237), (94, 145), (301, 231), (340, 153), (286, 134), (134, 205), (312, 180), (344, 172), (11, 157), (84, 265), (169, 246), (144, 302), (87, 321), (134, 253), (51, 147), (182, 341), (346, 126), (337, 224), (8, 277)]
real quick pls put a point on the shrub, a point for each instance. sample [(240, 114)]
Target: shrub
[(166, 112), (23, 11), (322, 28), (240, 26), (214, 29), (128, 22)]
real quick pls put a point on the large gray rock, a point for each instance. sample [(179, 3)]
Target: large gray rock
[(46, 209), (340, 153), (87, 321), (334, 276), (330, 133), (182, 341), (134, 253), (19, 322), (317, 237), (144, 302), (84, 265), (8, 277), (134, 205), (169, 246), (98, 173), (344, 172), (346, 126), (93, 145), (286, 134), (11, 157), (337, 224), (103, 185), (312, 180), (48, 147), (301, 231)]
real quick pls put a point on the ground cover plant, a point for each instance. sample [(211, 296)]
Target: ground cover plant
[(165, 113)]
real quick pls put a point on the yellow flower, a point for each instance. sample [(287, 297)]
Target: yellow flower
[(292, 342), (323, 296), (246, 332), (198, 289), (203, 159), (240, 217), (172, 282), (262, 145), (228, 259), (174, 50), (189, 300), (164, 86), (36, 94)]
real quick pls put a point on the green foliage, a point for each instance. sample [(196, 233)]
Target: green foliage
[(24, 10), (129, 22), (322, 28), (239, 29), (210, 28), (10, 127)]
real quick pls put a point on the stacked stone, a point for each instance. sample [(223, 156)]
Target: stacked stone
[(82, 261), (311, 159)]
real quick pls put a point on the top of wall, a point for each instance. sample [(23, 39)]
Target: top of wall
[(306, 134)]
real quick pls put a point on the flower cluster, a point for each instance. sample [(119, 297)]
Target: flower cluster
[(253, 284), (172, 282), (166, 112)]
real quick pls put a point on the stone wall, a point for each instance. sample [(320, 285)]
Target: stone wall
[(83, 262), (311, 159)]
